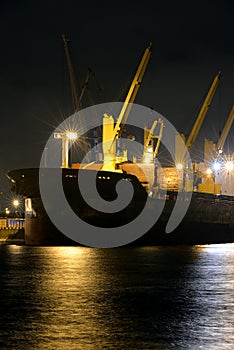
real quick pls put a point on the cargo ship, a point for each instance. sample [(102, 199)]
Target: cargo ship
[(209, 217)]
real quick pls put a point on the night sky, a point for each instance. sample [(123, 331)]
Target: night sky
[(192, 41)]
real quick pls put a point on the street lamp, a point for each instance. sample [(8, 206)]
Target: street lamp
[(66, 137), (16, 204)]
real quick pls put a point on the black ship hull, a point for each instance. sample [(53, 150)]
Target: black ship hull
[(209, 218)]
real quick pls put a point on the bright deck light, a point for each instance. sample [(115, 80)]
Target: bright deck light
[(179, 166), (216, 166), (229, 165), (147, 158)]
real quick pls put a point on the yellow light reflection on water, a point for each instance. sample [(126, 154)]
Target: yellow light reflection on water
[(68, 251), (72, 285)]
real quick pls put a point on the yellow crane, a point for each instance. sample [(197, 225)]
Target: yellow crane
[(181, 163), (151, 151), (111, 130), (179, 148), (203, 111), (209, 184), (225, 132), (211, 150)]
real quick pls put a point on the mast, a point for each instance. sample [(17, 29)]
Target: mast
[(133, 90), (73, 80)]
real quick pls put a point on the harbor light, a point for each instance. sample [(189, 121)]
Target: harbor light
[(67, 136), (147, 158), (16, 203), (71, 135), (179, 166), (229, 165), (216, 166)]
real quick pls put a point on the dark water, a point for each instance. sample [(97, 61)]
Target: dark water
[(129, 298)]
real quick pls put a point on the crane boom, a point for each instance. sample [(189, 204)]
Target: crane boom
[(135, 85), (225, 131), (84, 83), (74, 86), (150, 152), (112, 131), (201, 116)]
